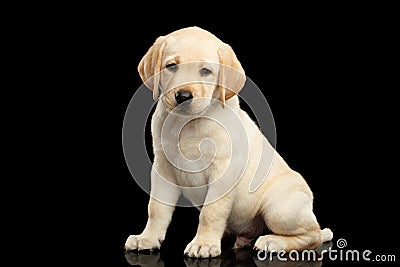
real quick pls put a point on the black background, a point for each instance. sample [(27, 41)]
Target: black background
[(328, 78)]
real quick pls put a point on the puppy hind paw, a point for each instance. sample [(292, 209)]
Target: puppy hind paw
[(269, 243)]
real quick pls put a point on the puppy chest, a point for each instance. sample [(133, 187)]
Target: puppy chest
[(204, 138)]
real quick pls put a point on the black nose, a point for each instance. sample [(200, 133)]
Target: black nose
[(182, 96)]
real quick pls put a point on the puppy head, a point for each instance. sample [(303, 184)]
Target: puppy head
[(191, 66)]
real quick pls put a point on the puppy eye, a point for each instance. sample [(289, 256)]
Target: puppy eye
[(172, 67), (205, 72)]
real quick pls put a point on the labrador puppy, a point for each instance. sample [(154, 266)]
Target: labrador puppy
[(199, 77)]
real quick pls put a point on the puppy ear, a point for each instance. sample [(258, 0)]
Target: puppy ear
[(231, 74), (150, 66)]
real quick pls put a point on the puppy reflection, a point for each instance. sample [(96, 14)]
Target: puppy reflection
[(144, 260), (211, 262), (236, 257)]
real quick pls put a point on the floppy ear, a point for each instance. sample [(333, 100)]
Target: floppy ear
[(231, 74), (150, 66)]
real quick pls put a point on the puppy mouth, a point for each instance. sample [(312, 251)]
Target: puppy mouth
[(188, 108), (187, 112), (194, 106)]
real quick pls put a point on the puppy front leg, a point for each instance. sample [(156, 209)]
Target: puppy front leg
[(212, 223), (154, 233), (160, 214)]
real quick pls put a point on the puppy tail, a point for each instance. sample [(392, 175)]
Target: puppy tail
[(326, 234)]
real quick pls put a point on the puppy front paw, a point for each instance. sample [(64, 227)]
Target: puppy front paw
[(203, 248), (142, 242)]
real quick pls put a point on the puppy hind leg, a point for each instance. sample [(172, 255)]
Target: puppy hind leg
[(293, 223)]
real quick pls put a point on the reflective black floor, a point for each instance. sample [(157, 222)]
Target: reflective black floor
[(238, 257)]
